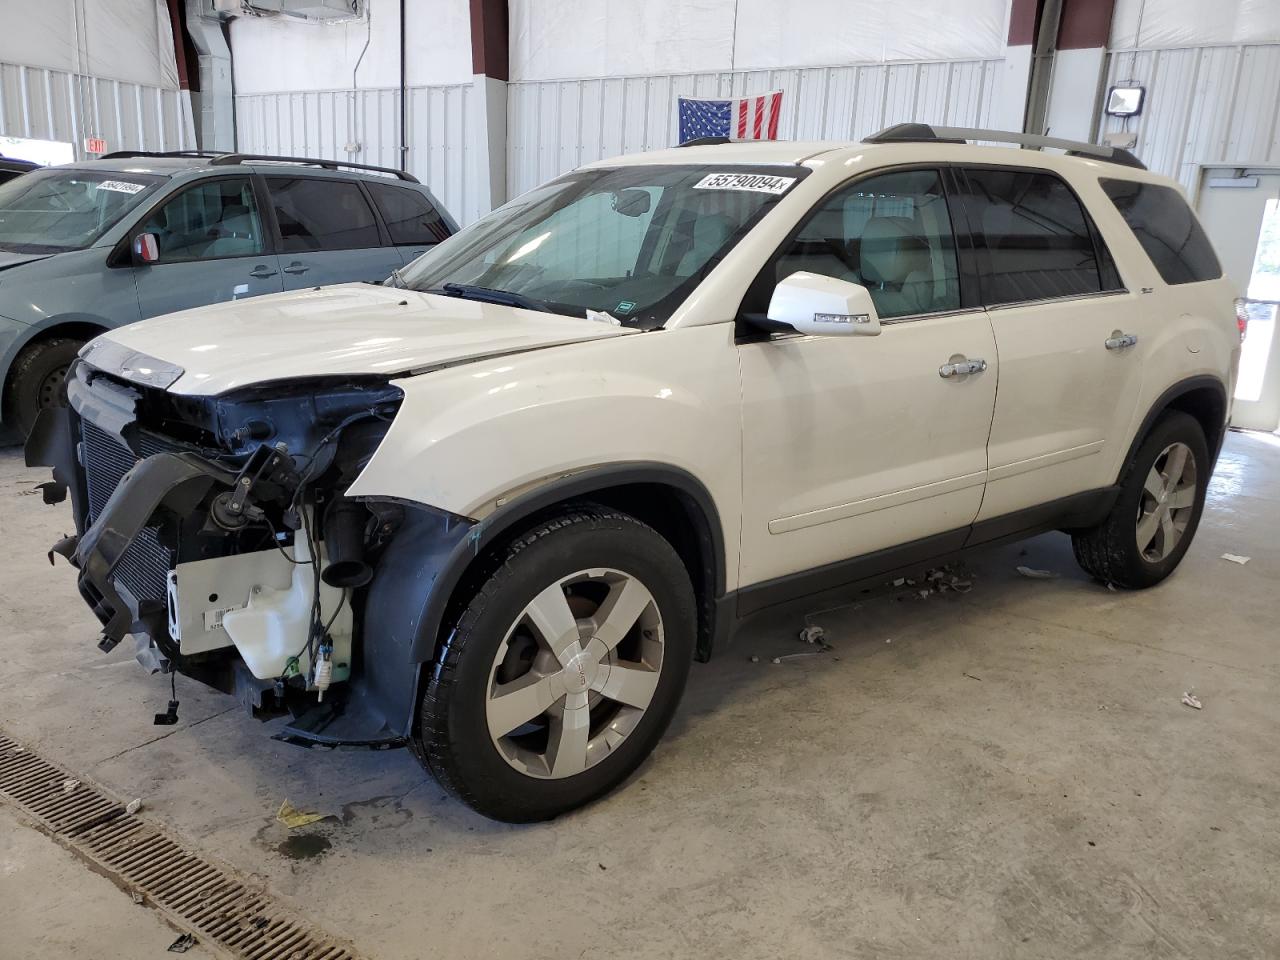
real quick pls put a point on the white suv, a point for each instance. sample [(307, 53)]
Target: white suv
[(493, 508)]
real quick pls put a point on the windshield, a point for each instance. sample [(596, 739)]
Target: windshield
[(49, 211), (630, 242)]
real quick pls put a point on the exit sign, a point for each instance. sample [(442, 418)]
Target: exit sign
[(95, 145)]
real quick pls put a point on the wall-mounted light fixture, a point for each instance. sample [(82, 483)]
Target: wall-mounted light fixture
[(1125, 100)]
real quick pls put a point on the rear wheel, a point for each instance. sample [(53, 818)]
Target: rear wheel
[(37, 380), (1155, 517), (563, 670)]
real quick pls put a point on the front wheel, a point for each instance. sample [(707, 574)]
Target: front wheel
[(37, 380), (563, 670), (1155, 517)]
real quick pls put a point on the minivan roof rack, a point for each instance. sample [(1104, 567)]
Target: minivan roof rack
[(234, 158), (925, 133), (220, 158)]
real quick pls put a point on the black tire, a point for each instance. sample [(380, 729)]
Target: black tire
[(1110, 550), (452, 735), (37, 380)]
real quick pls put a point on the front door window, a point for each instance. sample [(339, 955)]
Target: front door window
[(209, 221)]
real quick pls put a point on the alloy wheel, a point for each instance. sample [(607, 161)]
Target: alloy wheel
[(575, 673), (1167, 502)]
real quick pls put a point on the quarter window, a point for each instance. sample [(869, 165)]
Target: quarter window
[(315, 214), (1167, 230), (215, 219), (891, 234), (1032, 238), (409, 216)]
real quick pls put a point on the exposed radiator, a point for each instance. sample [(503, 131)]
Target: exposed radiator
[(144, 568)]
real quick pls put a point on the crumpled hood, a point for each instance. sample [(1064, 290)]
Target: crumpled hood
[(348, 329)]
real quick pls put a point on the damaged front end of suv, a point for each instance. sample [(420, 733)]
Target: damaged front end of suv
[(216, 533)]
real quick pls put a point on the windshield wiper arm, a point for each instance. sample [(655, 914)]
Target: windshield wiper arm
[(468, 291)]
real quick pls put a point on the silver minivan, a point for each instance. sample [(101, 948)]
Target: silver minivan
[(101, 243)]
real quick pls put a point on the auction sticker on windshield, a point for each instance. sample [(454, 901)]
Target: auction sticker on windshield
[(754, 182), (121, 186)]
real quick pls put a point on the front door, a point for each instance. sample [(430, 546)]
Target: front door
[(212, 248), (1069, 377), (328, 233), (1241, 214), (855, 444)]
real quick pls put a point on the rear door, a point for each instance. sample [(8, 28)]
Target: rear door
[(1070, 375), (413, 222), (213, 246), (327, 232)]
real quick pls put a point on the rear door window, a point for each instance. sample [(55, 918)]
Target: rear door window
[(1032, 238), (1167, 230), (315, 214), (409, 215)]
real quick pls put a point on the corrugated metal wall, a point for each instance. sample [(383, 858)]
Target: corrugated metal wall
[(55, 105), (1204, 105), (324, 123), (555, 125)]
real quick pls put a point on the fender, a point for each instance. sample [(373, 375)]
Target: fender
[(83, 325), (1162, 403)]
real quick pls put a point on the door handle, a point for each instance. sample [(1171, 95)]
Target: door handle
[(1118, 340), (958, 368), (296, 267), (262, 271)]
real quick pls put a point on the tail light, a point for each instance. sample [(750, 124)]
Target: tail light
[(1242, 316)]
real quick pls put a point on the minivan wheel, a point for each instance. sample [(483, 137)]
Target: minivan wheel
[(1155, 517), (38, 379), (563, 669)]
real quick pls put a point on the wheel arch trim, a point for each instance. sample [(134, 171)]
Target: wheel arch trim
[(1165, 402), (595, 480)]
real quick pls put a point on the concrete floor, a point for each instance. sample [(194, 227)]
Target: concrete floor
[(1007, 773)]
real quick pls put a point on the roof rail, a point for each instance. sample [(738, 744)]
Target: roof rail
[(925, 133), (705, 142), (126, 154), (236, 158)]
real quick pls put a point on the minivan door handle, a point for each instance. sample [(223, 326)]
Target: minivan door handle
[(958, 368), (296, 267), (1118, 340), (262, 271)]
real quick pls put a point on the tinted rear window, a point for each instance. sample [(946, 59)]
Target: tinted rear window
[(1033, 236), (409, 215), (319, 214), (1167, 230)]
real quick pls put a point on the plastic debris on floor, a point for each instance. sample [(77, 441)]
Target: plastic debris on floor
[(293, 818), (183, 943), (1032, 573), (1191, 700), (1236, 558)]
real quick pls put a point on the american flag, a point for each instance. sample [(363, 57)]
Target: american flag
[(743, 118)]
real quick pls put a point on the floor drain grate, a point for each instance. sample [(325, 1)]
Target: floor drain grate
[(196, 895)]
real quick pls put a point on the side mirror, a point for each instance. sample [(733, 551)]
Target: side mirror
[(820, 306), (146, 248)]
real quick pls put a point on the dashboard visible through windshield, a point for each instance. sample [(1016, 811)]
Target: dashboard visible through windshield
[(54, 210), (627, 242)]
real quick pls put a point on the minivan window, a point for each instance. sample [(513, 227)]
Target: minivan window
[(890, 233), (1167, 230), (1031, 236), (217, 218), (50, 211), (409, 216), (316, 214)]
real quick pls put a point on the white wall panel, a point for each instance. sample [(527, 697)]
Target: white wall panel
[(556, 125), (55, 105), (322, 124), (1204, 105)]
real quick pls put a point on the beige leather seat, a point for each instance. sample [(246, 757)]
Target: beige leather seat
[(895, 267)]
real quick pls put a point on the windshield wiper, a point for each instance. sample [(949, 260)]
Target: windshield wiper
[(468, 291)]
